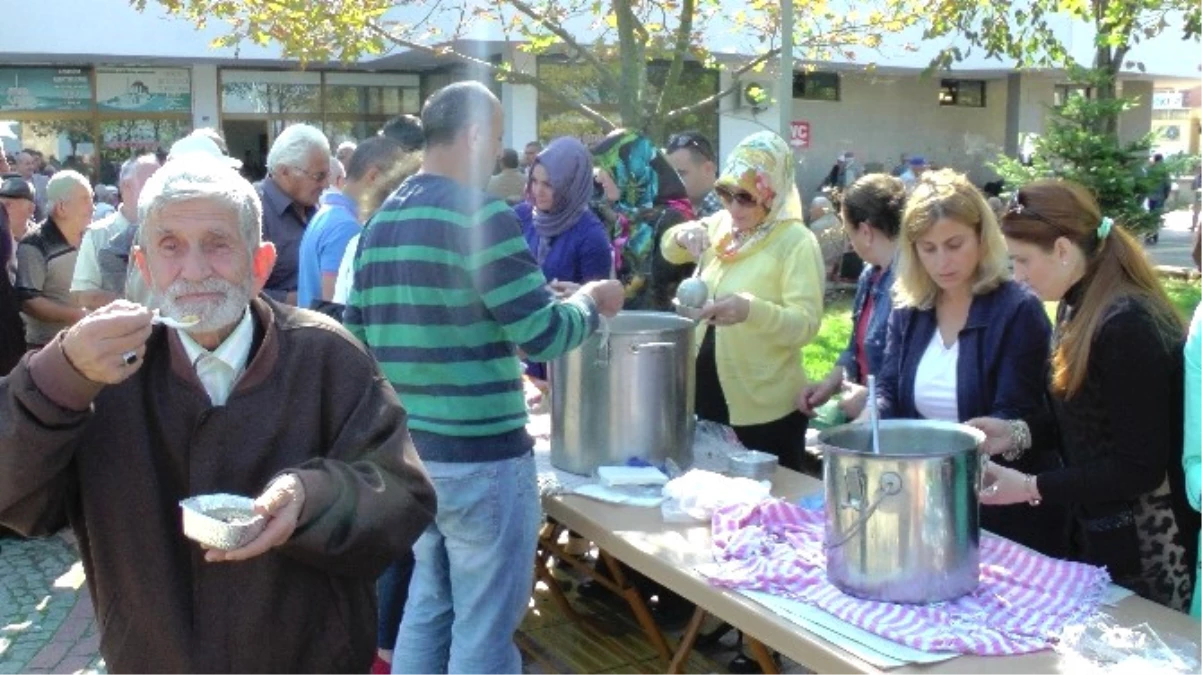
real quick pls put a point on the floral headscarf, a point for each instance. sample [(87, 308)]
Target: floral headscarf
[(761, 165), (651, 198)]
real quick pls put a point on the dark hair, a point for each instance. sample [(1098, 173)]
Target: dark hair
[(405, 130), (876, 199), (509, 158), (1115, 267), (454, 108), (379, 152), (535, 144), (698, 146)]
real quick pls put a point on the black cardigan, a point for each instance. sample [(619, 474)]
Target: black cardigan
[(1122, 431)]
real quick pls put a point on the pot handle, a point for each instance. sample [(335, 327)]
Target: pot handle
[(636, 349), (890, 484)]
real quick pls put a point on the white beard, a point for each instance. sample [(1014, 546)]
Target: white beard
[(211, 316)]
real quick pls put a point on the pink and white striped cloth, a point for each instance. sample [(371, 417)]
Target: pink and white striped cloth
[(1024, 601)]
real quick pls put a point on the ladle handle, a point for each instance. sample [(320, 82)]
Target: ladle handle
[(874, 416)]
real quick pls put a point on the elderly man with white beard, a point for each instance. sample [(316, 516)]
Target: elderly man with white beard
[(119, 418)]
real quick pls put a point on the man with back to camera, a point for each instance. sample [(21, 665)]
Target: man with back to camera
[(446, 292)]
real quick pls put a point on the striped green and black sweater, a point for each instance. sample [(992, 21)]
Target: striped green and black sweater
[(446, 290)]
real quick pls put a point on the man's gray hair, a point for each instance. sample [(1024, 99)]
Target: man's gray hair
[(205, 178), (61, 185), (131, 164), (336, 169), (821, 202), (294, 144)]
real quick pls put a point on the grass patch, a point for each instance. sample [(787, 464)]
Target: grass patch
[(1184, 294), (819, 356)]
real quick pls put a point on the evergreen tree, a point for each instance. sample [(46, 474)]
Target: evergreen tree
[(1079, 144)]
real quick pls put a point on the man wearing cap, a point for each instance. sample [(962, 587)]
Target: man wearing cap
[(18, 199), (46, 259), (27, 166), (917, 167), (102, 269), (298, 171)]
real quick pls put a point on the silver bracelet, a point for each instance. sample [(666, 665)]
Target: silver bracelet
[(1020, 440)]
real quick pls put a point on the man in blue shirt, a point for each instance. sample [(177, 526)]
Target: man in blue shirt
[(337, 222)]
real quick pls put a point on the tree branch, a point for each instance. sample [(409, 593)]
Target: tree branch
[(684, 33), (558, 31), (513, 76), (634, 66), (710, 100)]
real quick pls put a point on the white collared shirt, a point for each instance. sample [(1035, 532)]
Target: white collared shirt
[(220, 369)]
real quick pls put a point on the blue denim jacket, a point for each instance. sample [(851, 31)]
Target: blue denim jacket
[(1003, 366), (878, 324)]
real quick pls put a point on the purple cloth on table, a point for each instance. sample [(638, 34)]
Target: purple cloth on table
[(1025, 599)]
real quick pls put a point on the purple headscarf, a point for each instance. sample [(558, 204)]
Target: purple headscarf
[(569, 167)]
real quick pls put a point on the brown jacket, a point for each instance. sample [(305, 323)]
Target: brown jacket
[(311, 401)]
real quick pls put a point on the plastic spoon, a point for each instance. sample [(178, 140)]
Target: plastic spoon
[(174, 323)]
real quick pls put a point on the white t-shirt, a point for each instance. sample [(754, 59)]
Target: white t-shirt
[(346, 273), (935, 394)]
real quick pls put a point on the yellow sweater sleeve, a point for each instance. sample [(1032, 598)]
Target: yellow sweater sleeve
[(677, 254), (796, 320)]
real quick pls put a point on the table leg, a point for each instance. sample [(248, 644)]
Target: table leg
[(686, 642), (761, 654), (641, 613)]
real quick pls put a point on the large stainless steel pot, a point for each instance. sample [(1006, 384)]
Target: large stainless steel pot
[(628, 394), (903, 526)]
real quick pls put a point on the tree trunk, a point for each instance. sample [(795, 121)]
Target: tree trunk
[(634, 68), (1107, 90)]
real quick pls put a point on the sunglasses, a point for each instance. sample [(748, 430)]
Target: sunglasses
[(742, 197), (681, 141), (1019, 208)]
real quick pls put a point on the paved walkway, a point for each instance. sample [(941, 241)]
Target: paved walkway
[(46, 622), (1176, 241)]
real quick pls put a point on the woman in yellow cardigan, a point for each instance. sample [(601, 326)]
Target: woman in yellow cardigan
[(764, 273)]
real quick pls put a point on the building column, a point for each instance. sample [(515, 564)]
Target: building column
[(206, 99), (519, 102), (1136, 122), (1028, 96)]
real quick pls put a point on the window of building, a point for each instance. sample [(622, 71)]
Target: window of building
[(93, 119), (962, 93), (816, 86), (1063, 92)]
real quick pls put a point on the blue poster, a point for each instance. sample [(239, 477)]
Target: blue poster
[(45, 89), (144, 89)]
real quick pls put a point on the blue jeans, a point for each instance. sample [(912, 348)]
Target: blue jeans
[(475, 570)]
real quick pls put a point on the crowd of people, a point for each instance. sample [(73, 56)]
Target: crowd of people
[(362, 327)]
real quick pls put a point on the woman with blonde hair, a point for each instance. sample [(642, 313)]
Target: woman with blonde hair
[(965, 340), (1116, 393)]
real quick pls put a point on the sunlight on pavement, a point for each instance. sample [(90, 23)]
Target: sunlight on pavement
[(73, 579)]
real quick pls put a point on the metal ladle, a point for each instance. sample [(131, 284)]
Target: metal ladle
[(874, 420)]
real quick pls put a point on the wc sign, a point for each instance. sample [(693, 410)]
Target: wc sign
[(799, 134)]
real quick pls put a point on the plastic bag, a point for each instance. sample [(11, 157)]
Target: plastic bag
[(695, 496), (1102, 645)]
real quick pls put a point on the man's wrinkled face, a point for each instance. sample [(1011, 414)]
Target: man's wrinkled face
[(305, 183), (199, 265)]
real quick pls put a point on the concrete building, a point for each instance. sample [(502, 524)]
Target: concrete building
[(112, 81)]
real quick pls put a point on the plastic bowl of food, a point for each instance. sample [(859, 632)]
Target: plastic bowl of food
[(221, 521)]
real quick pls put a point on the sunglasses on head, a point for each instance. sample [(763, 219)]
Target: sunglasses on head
[(742, 197), (1018, 208), (681, 141)]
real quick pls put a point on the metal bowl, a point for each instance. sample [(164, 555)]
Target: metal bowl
[(752, 464)]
